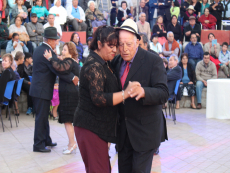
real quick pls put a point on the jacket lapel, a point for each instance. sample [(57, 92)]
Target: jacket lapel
[(117, 71)]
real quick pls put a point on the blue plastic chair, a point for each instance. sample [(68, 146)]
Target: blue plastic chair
[(18, 93), (30, 77), (7, 95), (172, 102)]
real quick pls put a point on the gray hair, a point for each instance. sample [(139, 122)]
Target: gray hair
[(170, 32), (45, 39), (141, 14), (145, 38), (90, 3), (175, 57), (50, 15)]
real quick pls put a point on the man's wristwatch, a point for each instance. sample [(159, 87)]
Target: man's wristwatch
[(50, 58)]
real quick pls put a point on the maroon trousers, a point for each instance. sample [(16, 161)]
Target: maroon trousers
[(94, 151)]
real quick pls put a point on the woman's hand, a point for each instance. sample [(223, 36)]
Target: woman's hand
[(47, 54), (190, 82), (158, 32), (181, 82)]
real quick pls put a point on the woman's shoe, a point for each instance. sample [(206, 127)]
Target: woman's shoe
[(72, 150)]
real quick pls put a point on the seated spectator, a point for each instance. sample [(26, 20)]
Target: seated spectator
[(226, 12), (224, 58), (25, 69), (41, 11), (15, 45), (160, 29), (123, 13), (213, 50), (175, 8), (153, 5), (76, 40), (207, 20), (52, 23), (11, 4), (194, 51), (197, 7), (76, 16), (205, 70), (204, 5), (171, 46), (190, 12), (4, 34), (22, 32), (173, 75), (95, 15), (87, 50), (35, 30), (47, 4), (183, 8), (28, 6), (188, 80), (60, 12), (154, 44), (142, 9), (143, 26), (144, 43), (19, 10), (129, 5), (216, 9), (192, 28), (7, 75)]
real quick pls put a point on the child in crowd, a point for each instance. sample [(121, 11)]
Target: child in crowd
[(224, 58), (154, 44), (55, 100)]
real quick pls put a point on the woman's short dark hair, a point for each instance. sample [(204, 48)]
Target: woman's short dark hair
[(19, 18), (174, 16), (211, 34), (184, 54), (104, 34), (225, 44), (123, 3), (19, 55), (154, 35), (72, 36), (176, 3), (14, 35)]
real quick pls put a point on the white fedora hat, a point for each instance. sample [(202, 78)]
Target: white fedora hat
[(191, 8), (131, 26)]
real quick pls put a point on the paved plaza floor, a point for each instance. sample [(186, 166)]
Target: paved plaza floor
[(196, 145)]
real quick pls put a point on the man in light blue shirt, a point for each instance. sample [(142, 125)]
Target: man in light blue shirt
[(226, 12), (15, 38)]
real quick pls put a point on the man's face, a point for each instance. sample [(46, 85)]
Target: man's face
[(16, 38), (192, 22), (34, 19), (75, 3), (128, 44), (52, 43), (193, 39), (170, 37), (29, 60), (142, 44), (206, 59), (172, 62), (143, 17), (142, 3), (224, 48), (51, 19)]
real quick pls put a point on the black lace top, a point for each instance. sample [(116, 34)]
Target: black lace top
[(95, 110)]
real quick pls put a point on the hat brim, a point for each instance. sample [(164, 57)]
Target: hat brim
[(190, 9), (55, 38), (130, 30)]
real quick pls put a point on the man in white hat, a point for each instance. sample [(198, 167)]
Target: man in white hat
[(141, 124)]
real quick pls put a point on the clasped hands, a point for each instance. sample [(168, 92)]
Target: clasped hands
[(134, 89)]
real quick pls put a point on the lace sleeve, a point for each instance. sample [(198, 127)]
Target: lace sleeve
[(63, 67), (96, 77)]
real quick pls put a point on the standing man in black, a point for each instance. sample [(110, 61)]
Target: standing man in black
[(216, 9), (142, 126), (41, 89), (164, 10)]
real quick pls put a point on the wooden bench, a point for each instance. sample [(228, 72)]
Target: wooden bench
[(67, 35)]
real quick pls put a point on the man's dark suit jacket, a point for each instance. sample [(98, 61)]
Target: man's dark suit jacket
[(44, 75), (165, 9), (172, 76), (194, 30), (143, 119)]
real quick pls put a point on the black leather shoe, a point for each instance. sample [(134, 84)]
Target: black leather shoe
[(51, 144), (44, 150)]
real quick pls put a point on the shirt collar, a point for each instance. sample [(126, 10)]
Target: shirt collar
[(192, 43), (48, 45), (95, 55), (193, 26), (74, 7), (131, 61)]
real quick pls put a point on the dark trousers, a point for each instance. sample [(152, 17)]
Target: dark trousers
[(42, 128), (133, 161), (218, 24), (94, 151), (29, 46), (26, 88), (3, 45)]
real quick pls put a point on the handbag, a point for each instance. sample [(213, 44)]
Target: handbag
[(24, 37)]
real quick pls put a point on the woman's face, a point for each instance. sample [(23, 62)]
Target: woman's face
[(211, 37), (6, 63), (123, 6), (21, 61), (20, 2), (190, 11), (65, 51), (194, 1), (76, 38), (58, 3), (160, 20), (109, 51), (39, 2), (184, 60), (92, 6), (155, 40), (172, 3), (205, 1), (174, 20), (206, 12), (18, 21)]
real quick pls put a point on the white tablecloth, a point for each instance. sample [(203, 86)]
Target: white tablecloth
[(218, 99)]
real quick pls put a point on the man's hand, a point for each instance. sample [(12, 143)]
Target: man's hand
[(42, 18), (172, 51), (197, 35), (22, 44), (29, 9), (137, 91), (57, 14), (160, 4), (33, 30), (188, 33), (75, 80), (80, 21), (181, 82), (190, 82), (227, 63), (205, 82), (29, 83)]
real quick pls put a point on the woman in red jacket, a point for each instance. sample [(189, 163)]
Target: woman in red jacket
[(207, 20)]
